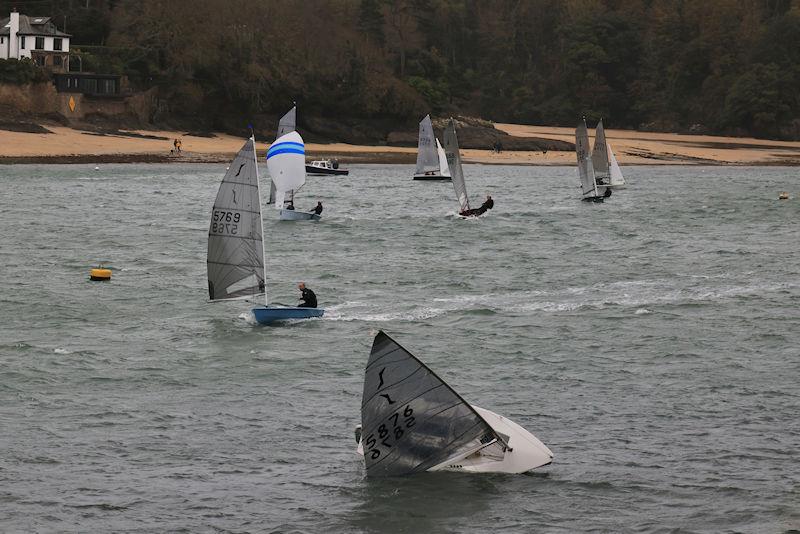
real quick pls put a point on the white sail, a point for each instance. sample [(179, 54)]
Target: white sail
[(288, 123), (600, 154), (235, 260), (454, 162), (615, 175), (585, 167), (286, 160), (444, 169), (427, 158)]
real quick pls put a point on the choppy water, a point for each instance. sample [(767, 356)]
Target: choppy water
[(651, 342)]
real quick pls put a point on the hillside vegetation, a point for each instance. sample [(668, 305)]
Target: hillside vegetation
[(716, 66)]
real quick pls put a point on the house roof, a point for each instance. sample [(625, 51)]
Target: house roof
[(33, 26)]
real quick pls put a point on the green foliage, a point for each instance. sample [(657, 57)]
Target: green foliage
[(20, 72), (729, 66)]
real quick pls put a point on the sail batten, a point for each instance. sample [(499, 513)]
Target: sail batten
[(427, 156), (235, 260), (453, 154), (411, 419)]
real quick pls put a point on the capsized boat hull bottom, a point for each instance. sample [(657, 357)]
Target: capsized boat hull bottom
[(525, 451), (269, 315), (296, 215), (433, 177)]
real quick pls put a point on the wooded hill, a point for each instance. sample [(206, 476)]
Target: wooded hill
[(717, 66)]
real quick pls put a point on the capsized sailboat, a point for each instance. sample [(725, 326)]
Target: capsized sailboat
[(236, 258), (412, 421), (431, 159), (286, 160), (606, 168), (590, 190)]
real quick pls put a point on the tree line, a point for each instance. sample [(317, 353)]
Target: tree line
[(717, 66)]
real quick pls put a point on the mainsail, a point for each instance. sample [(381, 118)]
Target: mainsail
[(585, 167), (411, 419), (286, 160), (454, 162), (600, 154), (615, 175), (427, 157), (235, 248), (444, 169), (288, 123)]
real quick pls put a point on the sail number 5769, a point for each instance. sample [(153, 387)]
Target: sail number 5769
[(225, 222)]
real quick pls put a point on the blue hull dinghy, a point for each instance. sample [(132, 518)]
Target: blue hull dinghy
[(269, 315)]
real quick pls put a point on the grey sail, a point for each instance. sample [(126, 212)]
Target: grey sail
[(600, 154), (288, 123), (411, 419), (427, 157), (235, 249), (454, 162), (585, 167)]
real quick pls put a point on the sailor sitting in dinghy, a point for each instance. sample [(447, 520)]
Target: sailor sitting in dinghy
[(308, 297), (318, 209), (486, 206)]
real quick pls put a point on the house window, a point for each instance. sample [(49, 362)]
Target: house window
[(22, 42), (40, 61), (57, 61), (57, 43), (39, 43), (1, 40)]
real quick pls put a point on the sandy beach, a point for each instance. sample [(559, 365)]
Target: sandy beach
[(67, 145)]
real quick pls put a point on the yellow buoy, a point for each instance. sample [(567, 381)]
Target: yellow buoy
[(99, 274)]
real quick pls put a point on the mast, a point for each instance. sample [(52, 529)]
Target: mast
[(260, 218)]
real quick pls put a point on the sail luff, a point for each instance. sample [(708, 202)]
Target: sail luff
[(585, 168), (427, 158), (261, 219), (454, 162)]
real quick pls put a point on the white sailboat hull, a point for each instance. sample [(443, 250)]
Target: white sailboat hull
[(295, 215), (525, 451)]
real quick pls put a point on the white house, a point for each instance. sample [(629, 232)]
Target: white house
[(36, 38)]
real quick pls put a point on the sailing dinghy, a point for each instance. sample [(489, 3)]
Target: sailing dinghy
[(236, 259), (431, 159), (606, 168), (590, 190), (453, 155), (412, 421), (286, 160)]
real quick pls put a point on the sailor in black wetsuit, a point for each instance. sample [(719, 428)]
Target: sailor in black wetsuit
[(308, 296), (486, 206), (318, 209)]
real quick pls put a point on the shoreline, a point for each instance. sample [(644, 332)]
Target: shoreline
[(63, 145)]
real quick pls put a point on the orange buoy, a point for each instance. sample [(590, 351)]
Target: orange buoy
[(99, 274)]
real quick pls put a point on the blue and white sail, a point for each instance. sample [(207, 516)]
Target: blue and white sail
[(286, 160), (288, 123)]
